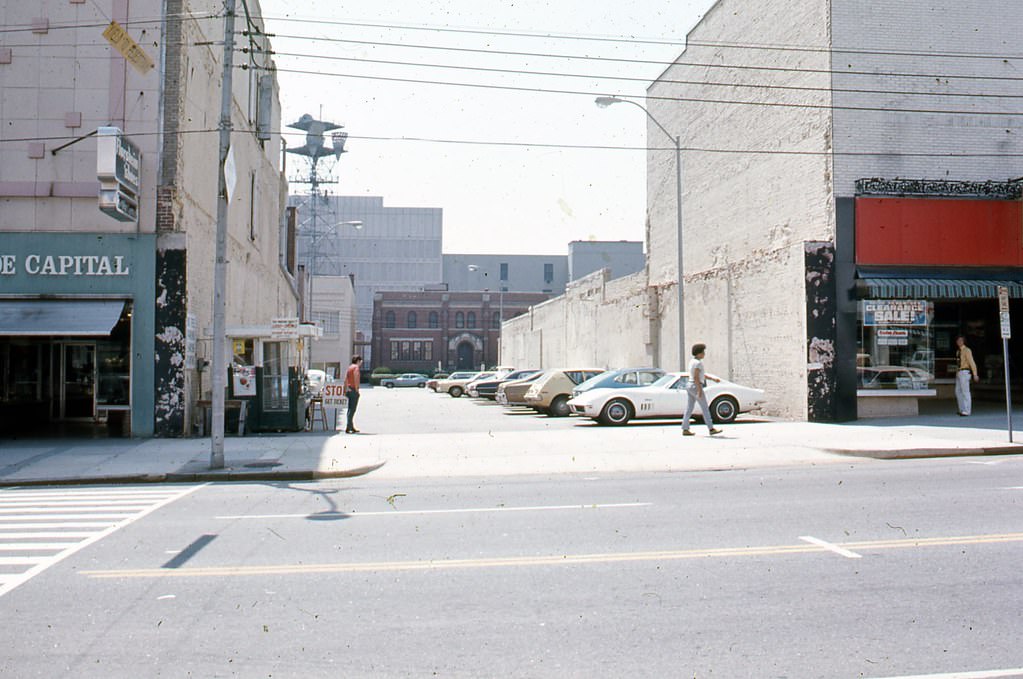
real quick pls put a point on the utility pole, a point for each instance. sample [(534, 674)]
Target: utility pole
[(219, 363)]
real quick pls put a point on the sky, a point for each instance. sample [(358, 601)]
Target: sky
[(511, 195)]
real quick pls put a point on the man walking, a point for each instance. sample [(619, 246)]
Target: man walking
[(352, 378), (694, 390), (966, 368)]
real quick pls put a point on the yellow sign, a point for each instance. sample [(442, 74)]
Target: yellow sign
[(129, 49)]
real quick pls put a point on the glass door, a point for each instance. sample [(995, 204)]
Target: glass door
[(78, 381)]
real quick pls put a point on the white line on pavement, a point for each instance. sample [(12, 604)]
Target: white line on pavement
[(48, 534), (75, 503), (77, 515), (830, 547), (59, 524), (475, 510), (984, 674), (38, 566), (29, 546)]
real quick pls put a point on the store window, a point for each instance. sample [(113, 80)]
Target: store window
[(896, 344), (113, 364)]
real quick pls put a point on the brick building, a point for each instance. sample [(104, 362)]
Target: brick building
[(107, 316), (424, 331), (835, 153)]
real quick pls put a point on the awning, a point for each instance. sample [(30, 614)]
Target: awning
[(933, 288), (82, 318)]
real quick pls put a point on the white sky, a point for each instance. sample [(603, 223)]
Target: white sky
[(513, 200)]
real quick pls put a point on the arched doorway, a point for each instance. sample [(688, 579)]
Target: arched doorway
[(464, 360)]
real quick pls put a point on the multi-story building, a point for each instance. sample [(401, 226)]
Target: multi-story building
[(333, 311), (429, 330), (107, 316), (382, 247), (851, 202)]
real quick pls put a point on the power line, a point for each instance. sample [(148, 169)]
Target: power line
[(701, 100), (622, 39), (581, 147), (592, 76), (650, 62)]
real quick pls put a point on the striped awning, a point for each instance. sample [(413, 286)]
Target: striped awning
[(933, 288)]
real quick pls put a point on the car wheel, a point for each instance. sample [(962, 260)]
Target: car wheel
[(421, 385), (389, 385), (455, 392), (616, 412), (559, 407), (724, 409)]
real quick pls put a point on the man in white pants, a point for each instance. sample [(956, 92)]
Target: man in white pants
[(967, 368), (694, 391)]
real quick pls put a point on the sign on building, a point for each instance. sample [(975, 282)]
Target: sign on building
[(121, 41), (284, 328), (118, 168), (894, 312)]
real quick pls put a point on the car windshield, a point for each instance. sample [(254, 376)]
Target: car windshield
[(592, 382)]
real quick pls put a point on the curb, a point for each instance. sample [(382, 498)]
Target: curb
[(226, 475), (916, 453)]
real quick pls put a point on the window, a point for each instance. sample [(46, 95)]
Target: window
[(470, 320), (330, 321), (389, 321), (275, 376), (504, 271), (395, 350), (427, 351), (497, 321), (548, 273), (434, 320), (410, 320), (459, 320), (406, 350)]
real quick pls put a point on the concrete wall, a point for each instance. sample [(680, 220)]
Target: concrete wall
[(757, 184), (597, 323), (965, 29)]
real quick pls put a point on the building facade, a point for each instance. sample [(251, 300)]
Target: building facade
[(106, 317), (333, 311), (805, 246), (381, 247), (427, 331)]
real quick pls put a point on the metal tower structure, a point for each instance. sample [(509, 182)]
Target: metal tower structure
[(318, 227)]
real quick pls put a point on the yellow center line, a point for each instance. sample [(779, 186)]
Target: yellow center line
[(566, 559)]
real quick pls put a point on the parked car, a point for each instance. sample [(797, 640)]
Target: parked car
[(513, 392), (665, 398), (892, 377), (488, 388), (432, 382), (624, 378), (405, 380), (495, 374), (550, 394), (454, 384), (314, 381)]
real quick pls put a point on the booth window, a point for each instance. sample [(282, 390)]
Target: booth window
[(275, 375)]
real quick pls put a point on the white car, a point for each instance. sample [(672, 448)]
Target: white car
[(664, 399)]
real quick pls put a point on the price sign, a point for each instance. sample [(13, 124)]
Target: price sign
[(333, 396)]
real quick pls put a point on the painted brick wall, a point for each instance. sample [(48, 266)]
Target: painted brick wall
[(962, 28)]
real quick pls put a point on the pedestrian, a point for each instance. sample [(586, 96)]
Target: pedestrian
[(966, 369), (694, 389), (352, 379)]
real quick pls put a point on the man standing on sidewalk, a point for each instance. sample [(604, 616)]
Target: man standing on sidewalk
[(694, 391), (967, 368), (352, 378)]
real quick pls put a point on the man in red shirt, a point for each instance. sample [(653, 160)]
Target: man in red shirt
[(352, 379)]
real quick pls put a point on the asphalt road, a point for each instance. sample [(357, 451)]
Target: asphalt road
[(860, 570)]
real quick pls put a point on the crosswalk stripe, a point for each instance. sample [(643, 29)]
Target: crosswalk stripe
[(61, 518)]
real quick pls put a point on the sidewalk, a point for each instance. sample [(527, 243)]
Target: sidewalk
[(640, 447)]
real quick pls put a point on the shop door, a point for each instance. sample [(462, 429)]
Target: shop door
[(78, 381)]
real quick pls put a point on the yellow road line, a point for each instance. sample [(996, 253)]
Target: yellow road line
[(566, 559)]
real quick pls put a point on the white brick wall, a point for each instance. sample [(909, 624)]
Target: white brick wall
[(961, 28)]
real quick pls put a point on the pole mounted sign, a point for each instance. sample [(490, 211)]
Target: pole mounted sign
[(118, 168), (1003, 315)]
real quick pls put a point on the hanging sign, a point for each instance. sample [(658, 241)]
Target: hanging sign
[(284, 328), (894, 312)]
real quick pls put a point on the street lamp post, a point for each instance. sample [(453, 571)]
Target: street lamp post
[(604, 102)]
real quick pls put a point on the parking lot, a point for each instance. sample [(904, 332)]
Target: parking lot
[(413, 410)]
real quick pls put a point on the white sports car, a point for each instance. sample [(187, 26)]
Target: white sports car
[(664, 399)]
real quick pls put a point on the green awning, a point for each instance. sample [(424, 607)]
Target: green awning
[(84, 318), (933, 288)]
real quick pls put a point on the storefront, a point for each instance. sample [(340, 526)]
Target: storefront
[(928, 267), (76, 334)]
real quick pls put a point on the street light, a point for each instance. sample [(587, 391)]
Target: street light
[(604, 102)]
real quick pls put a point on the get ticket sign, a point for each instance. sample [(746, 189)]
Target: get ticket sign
[(333, 396)]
